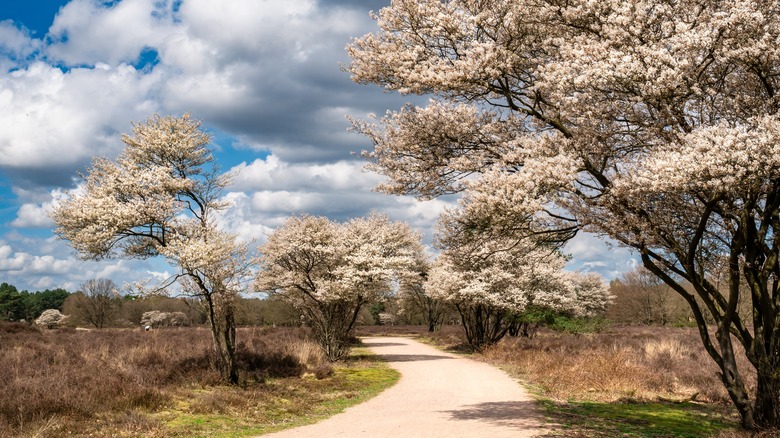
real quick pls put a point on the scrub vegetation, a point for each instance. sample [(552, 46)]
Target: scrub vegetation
[(122, 382)]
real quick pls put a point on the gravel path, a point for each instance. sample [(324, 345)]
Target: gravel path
[(439, 395)]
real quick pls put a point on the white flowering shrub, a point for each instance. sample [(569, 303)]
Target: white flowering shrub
[(50, 318), (330, 270), (493, 281), (414, 301), (655, 123), (156, 318)]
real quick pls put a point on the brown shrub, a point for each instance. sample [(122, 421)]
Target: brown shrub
[(54, 379), (11, 328), (646, 363)]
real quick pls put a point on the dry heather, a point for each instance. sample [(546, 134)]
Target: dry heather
[(56, 378), (621, 363)]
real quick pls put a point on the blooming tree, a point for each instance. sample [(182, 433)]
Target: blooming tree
[(654, 123), (159, 198), (413, 298), (492, 282), (330, 270), (51, 318)]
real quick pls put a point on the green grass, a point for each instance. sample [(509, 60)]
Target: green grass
[(596, 419), (283, 404)]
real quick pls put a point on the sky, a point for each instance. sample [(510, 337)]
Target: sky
[(264, 77)]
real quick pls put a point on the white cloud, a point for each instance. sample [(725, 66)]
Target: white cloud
[(267, 72), (86, 32), (273, 174), (50, 118), (265, 192), (17, 262), (591, 253), (33, 216), (15, 41), (39, 263)]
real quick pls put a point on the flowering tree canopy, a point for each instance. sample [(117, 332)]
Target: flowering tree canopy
[(492, 281), (654, 123), (159, 197), (329, 270), (413, 299)]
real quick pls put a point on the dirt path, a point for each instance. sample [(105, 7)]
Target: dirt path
[(439, 395)]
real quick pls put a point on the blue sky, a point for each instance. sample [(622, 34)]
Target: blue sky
[(35, 15), (264, 78)]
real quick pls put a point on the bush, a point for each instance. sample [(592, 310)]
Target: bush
[(577, 325), (156, 318), (84, 375), (50, 318)]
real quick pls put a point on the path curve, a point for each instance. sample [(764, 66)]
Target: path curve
[(439, 395)]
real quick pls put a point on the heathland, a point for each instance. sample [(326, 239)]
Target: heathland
[(620, 381)]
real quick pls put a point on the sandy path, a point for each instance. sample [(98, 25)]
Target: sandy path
[(439, 395)]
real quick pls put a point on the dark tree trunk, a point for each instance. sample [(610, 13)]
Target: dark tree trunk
[(484, 325), (332, 324), (223, 333)]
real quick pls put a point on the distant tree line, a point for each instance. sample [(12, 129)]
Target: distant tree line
[(18, 305), (99, 305)]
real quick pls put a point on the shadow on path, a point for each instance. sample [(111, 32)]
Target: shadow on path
[(383, 344), (509, 413), (411, 357)]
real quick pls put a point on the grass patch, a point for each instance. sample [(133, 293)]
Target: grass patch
[(280, 403), (596, 419)]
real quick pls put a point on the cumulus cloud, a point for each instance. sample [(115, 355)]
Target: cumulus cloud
[(592, 254), (88, 32), (33, 216), (273, 174), (36, 264), (16, 42), (264, 75), (266, 72), (58, 120), (267, 191)]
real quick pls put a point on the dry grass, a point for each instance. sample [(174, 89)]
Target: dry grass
[(76, 382), (625, 363), (624, 381)]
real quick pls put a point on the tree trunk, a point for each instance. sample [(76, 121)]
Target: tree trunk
[(767, 409), (223, 332), (732, 379)]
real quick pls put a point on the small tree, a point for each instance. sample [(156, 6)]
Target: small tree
[(493, 292), (159, 197), (492, 279), (155, 318), (331, 270), (96, 303), (413, 298)]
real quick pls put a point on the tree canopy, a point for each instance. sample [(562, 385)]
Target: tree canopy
[(330, 270), (654, 123), (159, 197)]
